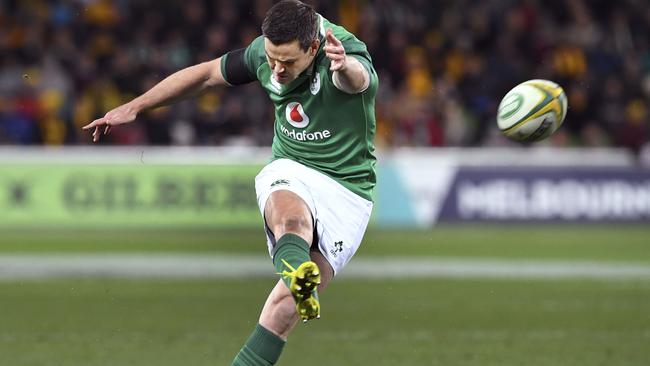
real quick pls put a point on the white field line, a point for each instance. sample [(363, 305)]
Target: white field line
[(172, 266)]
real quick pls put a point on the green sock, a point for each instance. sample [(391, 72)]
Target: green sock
[(263, 348), (293, 249)]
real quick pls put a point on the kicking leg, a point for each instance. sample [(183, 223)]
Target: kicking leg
[(279, 313), (290, 221)]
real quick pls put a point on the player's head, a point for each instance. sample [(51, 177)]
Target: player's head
[(290, 31)]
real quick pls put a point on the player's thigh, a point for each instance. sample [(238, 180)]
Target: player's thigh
[(285, 212), (285, 200)]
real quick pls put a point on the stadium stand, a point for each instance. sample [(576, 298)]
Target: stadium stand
[(443, 67)]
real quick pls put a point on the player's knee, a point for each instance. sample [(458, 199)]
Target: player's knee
[(279, 315), (286, 303), (284, 308), (293, 224)]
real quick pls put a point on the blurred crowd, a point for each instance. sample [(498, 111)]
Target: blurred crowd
[(443, 66)]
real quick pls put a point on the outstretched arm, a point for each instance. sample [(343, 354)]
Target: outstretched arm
[(348, 75), (180, 85)]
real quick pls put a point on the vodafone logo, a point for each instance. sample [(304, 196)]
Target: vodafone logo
[(297, 118), (296, 115)]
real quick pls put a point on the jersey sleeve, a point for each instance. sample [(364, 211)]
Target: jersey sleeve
[(240, 66), (357, 49)]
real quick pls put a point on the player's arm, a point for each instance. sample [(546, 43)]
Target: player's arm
[(182, 84), (348, 75)]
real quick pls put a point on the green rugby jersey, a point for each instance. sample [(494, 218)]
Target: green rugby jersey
[(316, 124)]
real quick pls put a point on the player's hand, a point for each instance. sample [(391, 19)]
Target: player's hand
[(123, 114), (334, 51)]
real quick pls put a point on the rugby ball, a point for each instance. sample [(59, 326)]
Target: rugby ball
[(532, 110)]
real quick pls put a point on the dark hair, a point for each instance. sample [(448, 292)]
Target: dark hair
[(291, 20)]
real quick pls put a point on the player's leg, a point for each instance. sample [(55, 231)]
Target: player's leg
[(290, 220)]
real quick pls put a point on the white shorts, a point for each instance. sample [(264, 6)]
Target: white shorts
[(340, 216)]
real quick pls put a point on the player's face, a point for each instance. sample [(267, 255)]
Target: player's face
[(288, 60)]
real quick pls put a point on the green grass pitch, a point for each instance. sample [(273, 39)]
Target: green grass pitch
[(608, 243), (437, 321), (423, 322)]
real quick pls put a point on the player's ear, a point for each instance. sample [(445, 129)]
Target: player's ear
[(313, 48)]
